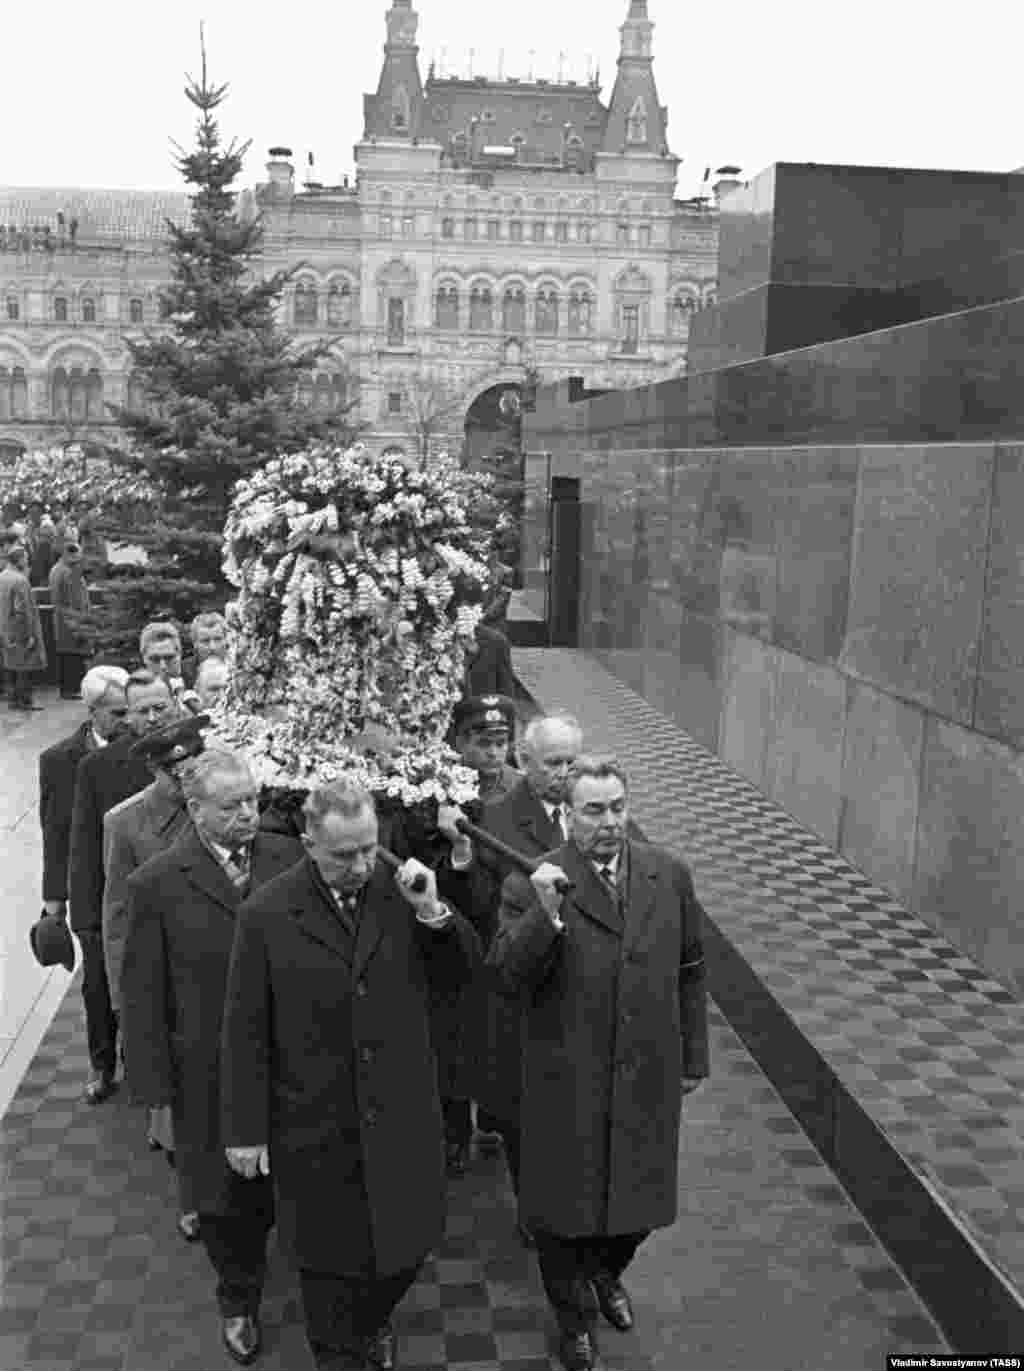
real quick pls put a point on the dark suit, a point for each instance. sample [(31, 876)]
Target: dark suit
[(327, 1057), (614, 1015), (57, 768), (520, 821), (181, 926), (103, 780)]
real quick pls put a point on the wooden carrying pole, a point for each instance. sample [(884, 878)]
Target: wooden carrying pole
[(389, 859), (518, 859)]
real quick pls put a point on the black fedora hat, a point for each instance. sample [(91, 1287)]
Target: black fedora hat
[(51, 942)]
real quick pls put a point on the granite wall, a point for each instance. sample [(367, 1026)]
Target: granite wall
[(842, 624)]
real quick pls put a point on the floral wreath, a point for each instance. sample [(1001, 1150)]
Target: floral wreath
[(360, 582)]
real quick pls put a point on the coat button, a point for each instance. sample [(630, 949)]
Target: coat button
[(370, 1117), (361, 989), (366, 1054)]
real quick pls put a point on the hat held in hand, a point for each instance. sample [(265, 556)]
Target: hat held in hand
[(174, 742), (51, 942)]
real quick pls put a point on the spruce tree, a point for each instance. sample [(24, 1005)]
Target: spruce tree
[(220, 382)]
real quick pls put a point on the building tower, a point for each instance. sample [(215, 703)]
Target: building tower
[(396, 111)]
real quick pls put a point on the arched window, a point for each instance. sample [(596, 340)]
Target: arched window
[(60, 309), (5, 394), (59, 397), (400, 111), (19, 394), (79, 396), (323, 393), (136, 393), (447, 307), (396, 321), (304, 392), (547, 311), (574, 151), (513, 314), (88, 311), (305, 304), (636, 124), (94, 396), (135, 311), (580, 311), (481, 309), (13, 309), (339, 304)]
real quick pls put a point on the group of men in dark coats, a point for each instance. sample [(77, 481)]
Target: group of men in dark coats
[(318, 1025)]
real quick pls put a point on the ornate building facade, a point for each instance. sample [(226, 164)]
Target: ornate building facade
[(498, 232)]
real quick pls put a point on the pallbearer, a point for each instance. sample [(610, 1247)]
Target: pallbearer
[(328, 1070), (614, 1033), (181, 922)]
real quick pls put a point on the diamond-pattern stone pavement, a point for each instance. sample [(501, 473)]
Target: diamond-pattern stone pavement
[(768, 1265)]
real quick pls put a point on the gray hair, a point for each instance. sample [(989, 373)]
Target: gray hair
[(343, 798), (207, 620), (158, 632), (98, 680), (540, 721), (600, 766), (197, 773)]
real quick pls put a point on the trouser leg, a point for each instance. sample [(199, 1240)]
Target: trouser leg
[(236, 1244), (611, 1255), (100, 1020), (458, 1122), (70, 670), (563, 1270), (21, 688), (343, 1312)]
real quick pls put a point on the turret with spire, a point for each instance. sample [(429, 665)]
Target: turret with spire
[(395, 111), (637, 121)]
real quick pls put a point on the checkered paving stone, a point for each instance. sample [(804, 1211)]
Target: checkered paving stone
[(769, 1264), (927, 1042)]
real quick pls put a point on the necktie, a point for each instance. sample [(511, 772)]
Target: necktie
[(239, 858), (558, 819)]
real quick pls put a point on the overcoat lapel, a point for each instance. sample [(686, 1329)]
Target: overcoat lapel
[(641, 894), (320, 919), (378, 906), (203, 870), (588, 893), (536, 823)]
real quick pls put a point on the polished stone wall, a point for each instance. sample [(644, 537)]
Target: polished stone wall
[(842, 625)]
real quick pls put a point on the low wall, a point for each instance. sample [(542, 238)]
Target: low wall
[(843, 625)]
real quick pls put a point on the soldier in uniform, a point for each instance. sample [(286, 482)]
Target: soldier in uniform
[(484, 731)]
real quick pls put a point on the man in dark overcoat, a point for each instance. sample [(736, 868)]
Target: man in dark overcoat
[(103, 780), (183, 905), (530, 819), (483, 726), (614, 1034), (69, 595), (328, 1072), (134, 831), (22, 649), (102, 692)]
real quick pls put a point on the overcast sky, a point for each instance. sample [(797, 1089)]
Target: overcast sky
[(93, 93)]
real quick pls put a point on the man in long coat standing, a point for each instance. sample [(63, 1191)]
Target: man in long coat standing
[(69, 595), (21, 630), (183, 907), (531, 819), (614, 1034), (103, 780), (328, 1073)]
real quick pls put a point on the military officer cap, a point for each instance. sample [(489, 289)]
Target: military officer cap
[(484, 714), (174, 742)]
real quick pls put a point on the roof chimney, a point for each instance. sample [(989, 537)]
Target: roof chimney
[(728, 179), (280, 172)]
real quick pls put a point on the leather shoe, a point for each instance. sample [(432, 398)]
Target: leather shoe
[(188, 1227), (241, 1337), (100, 1088), (614, 1302), (577, 1352), (381, 1352)]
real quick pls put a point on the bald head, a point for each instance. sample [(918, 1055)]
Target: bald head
[(551, 743)]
